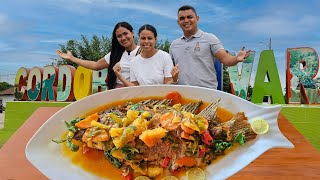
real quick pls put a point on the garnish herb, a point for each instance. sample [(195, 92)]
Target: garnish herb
[(195, 144), (240, 138), (73, 147), (220, 146), (129, 152), (71, 126), (59, 141), (115, 161), (134, 107)]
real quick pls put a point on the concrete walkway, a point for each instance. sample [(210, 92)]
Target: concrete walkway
[(1, 120)]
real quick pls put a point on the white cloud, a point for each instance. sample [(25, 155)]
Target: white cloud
[(11, 62), (3, 19), (48, 53), (86, 6), (214, 14), (23, 58), (9, 26), (278, 25), (5, 47), (5, 24), (56, 41), (159, 10), (86, 1)]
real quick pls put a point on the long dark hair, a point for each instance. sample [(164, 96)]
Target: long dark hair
[(116, 53)]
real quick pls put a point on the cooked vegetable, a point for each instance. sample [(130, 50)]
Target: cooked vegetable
[(151, 137), (154, 137), (86, 123), (186, 161), (175, 96), (115, 118)]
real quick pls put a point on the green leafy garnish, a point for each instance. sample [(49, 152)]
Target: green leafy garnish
[(129, 152), (240, 138), (70, 145), (220, 146), (134, 107), (59, 141), (73, 147), (195, 144), (72, 125), (113, 160)]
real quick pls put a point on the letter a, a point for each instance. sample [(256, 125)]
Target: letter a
[(267, 67)]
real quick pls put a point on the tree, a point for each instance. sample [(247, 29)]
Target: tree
[(5, 86), (226, 80), (164, 46), (93, 49)]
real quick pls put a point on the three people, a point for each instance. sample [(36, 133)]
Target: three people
[(196, 50), (123, 49), (193, 53)]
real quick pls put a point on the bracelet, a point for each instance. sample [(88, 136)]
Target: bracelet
[(175, 82)]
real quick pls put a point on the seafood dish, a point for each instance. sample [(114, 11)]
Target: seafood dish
[(158, 137), (170, 140)]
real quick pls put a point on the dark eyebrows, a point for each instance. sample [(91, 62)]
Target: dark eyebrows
[(188, 17), (124, 33)]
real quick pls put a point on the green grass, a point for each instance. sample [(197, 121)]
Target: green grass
[(18, 112), (306, 119)]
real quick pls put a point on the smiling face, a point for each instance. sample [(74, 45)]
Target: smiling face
[(188, 21), (125, 37), (147, 40)]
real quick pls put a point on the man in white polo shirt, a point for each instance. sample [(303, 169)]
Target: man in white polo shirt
[(196, 50)]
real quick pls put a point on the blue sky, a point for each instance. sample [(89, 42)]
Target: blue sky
[(31, 31)]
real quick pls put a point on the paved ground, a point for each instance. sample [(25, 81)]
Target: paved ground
[(1, 120)]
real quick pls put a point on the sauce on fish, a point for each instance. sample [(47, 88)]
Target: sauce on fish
[(94, 161)]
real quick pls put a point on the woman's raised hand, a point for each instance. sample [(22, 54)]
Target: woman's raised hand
[(63, 55)]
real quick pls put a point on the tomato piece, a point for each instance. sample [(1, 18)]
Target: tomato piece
[(202, 152), (128, 177), (175, 96), (165, 162), (206, 138)]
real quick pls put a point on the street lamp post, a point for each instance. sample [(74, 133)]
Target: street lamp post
[(268, 45)]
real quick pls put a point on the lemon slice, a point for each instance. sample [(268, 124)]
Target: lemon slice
[(260, 126), (142, 178), (195, 174), (170, 178)]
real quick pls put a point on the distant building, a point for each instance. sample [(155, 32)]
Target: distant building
[(7, 95)]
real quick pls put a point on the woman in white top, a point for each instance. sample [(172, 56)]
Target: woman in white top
[(123, 49), (152, 66)]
